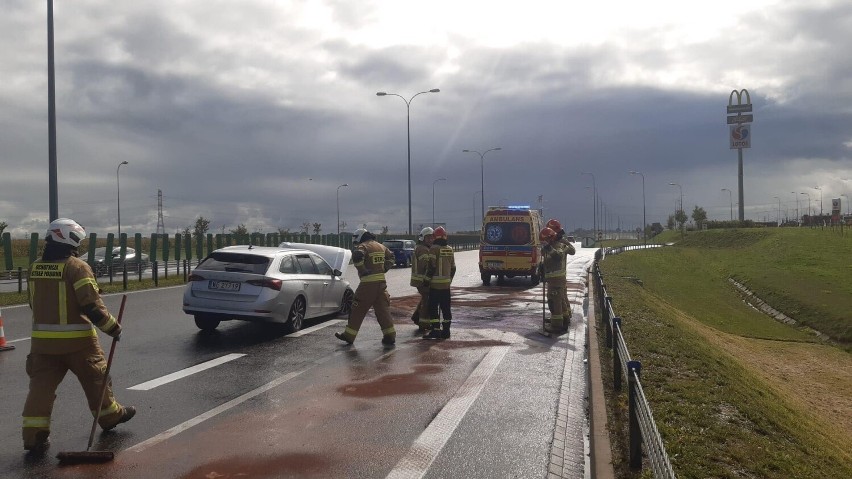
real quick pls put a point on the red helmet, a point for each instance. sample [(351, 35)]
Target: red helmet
[(440, 233), (547, 234), (554, 224)]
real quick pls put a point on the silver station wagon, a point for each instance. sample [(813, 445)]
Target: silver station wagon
[(285, 284)]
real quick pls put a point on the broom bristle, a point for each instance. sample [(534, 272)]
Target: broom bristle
[(84, 457)]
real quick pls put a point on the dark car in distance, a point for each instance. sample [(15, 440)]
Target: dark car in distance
[(403, 250), (132, 260)]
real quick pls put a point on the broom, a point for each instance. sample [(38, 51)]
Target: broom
[(87, 456)]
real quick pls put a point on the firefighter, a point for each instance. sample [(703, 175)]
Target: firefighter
[(66, 305), (372, 259), (553, 255), (422, 255), (439, 275), (560, 236)]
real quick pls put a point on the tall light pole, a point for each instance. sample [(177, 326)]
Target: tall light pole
[(408, 123), (731, 198), (474, 208), (338, 211), (433, 198), (644, 235), (482, 171), (798, 218), (681, 194), (809, 202), (52, 175), (820, 200), (118, 196), (779, 209), (594, 204)]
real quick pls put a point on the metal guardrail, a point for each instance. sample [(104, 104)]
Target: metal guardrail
[(642, 429)]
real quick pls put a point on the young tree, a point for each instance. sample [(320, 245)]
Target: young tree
[(384, 230), (680, 218), (699, 216), (283, 231), (317, 228), (186, 231), (306, 227), (202, 225), (670, 224), (3, 226), (240, 230)]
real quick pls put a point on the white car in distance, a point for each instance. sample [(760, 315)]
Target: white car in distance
[(286, 284)]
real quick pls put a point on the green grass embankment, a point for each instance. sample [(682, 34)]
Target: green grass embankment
[(735, 393)]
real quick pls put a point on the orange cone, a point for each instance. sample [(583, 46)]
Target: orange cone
[(3, 345)]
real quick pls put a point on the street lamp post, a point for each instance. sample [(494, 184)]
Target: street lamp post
[(338, 211), (820, 200), (681, 194), (644, 235), (408, 123), (809, 203), (433, 198), (798, 218), (731, 198), (118, 196), (482, 171), (594, 204), (474, 208)]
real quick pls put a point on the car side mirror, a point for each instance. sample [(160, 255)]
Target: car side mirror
[(337, 272)]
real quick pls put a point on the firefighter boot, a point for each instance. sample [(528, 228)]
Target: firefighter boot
[(40, 445), (445, 333), (128, 414), (555, 329)]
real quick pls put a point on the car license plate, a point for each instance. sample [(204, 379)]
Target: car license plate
[(494, 264), (224, 285)]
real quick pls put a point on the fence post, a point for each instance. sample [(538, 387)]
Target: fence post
[(20, 280), (154, 273), (635, 444), (616, 358), (607, 319)]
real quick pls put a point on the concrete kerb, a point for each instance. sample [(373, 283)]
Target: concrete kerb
[(600, 447)]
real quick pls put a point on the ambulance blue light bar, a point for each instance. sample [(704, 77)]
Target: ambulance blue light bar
[(518, 207)]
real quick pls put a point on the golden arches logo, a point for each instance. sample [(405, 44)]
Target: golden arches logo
[(739, 95)]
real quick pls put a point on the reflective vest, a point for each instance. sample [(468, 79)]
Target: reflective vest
[(442, 267), (372, 259), (58, 290), (419, 263)]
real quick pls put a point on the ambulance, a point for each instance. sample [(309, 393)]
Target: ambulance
[(509, 245)]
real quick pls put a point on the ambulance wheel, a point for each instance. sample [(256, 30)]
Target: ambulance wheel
[(501, 279), (486, 279)]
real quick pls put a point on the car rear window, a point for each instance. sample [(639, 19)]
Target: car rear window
[(507, 233), (393, 244), (236, 262)]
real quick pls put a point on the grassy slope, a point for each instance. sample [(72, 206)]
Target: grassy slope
[(734, 393)]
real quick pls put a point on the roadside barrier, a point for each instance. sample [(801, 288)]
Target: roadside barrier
[(642, 430), (3, 345)]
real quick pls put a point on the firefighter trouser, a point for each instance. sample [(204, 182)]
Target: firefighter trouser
[(440, 298), (555, 294), (566, 303), (46, 371), (425, 320), (370, 295)]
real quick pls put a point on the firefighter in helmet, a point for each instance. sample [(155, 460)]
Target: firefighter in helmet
[(372, 259), (553, 255), (66, 306), (421, 259), (560, 236), (439, 275)]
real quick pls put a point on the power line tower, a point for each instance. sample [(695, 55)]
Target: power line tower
[(161, 228)]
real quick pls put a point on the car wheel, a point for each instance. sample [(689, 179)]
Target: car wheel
[(534, 279), (297, 315), (408, 262), (486, 279), (346, 302), (206, 323)]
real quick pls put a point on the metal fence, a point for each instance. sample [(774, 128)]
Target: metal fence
[(642, 429)]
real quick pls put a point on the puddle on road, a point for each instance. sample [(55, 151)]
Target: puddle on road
[(301, 465), (392, 384)]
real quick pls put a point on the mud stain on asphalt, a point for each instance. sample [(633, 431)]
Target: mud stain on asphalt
[(393, 384), (283, 465)]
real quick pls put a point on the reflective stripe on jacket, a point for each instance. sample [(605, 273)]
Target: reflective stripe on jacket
[(372, 259), (58, 291), (419, 263), (442, 267), (554, 256)]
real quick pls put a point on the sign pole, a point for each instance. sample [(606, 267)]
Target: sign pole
[(741, 208)]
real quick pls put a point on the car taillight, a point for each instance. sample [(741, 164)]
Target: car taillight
[(266, 283), (196, 277)]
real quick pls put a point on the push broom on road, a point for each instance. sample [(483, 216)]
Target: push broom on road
[(87, 456)]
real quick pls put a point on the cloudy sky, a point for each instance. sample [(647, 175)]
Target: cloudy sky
[(255, 112)]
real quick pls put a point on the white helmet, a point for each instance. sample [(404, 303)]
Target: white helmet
[(425, 232), (358, 234), (66, 231)]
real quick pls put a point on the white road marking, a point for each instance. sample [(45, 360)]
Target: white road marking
[(148, 385), (428, 445), (305, 331)]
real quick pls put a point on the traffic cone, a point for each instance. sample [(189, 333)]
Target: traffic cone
[(3, 345)]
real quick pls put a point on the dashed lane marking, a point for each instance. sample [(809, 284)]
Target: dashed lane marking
[(148, 385)]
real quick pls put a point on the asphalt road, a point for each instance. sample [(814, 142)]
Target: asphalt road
[(496, 400)]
